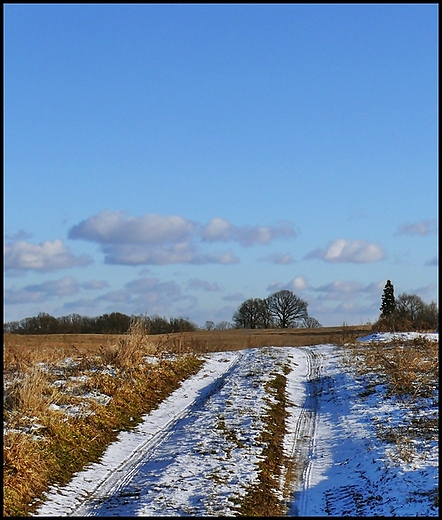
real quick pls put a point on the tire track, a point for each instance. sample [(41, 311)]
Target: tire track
[(344, 469), (298, 475)]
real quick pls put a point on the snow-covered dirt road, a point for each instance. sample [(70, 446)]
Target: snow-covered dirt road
[(198, 453)]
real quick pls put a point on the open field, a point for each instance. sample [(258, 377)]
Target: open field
[(199, 341)]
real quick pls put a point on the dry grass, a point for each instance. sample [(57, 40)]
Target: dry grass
[(409, 368), (406, 373), (198, 341), (50, 431), (130, 350), (53, 430)]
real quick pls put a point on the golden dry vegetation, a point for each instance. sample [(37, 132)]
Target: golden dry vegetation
[(198, 341)]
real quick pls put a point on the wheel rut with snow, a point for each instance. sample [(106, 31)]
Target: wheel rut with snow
[(303, 433)]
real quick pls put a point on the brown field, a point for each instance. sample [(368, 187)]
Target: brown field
[(199, 341)]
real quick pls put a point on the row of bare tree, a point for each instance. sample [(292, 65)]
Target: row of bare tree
[(282, 309), (113, 323)]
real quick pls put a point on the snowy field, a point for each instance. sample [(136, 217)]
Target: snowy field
[(199, 451)]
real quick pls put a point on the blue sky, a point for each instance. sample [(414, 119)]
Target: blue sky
[(176, 160)]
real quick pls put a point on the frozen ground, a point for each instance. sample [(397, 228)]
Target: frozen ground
[(198, 452)]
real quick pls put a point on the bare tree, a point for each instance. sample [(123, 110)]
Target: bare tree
[(410, 313), (409, 306), (311, 323), (430, 317), (252, 314), (209, 325), (287, 309), (223, 325)]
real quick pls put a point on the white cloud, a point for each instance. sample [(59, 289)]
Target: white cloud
[(94, 285), (159, 240), (119, 296), (160, 254), (375, 289), (50, 289), (110, 227), (153, 285), (352, 309), (151, 296), (223, 258), (425, 227), (296, 284), (163, 254), (219, 229), (65, 286), (83, 307), (340, 286), (340, 290), (146, 295), (22, 296), (275, 286), (352, 251), (299, 283), (46, 256)]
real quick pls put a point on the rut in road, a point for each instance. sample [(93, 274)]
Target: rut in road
[(345, 468), (303, 433)]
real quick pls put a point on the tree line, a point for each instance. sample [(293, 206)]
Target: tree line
[(282, 309), (113, 323), (407, 312)]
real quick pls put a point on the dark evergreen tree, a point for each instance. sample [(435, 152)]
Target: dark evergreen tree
[(388, 304)]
